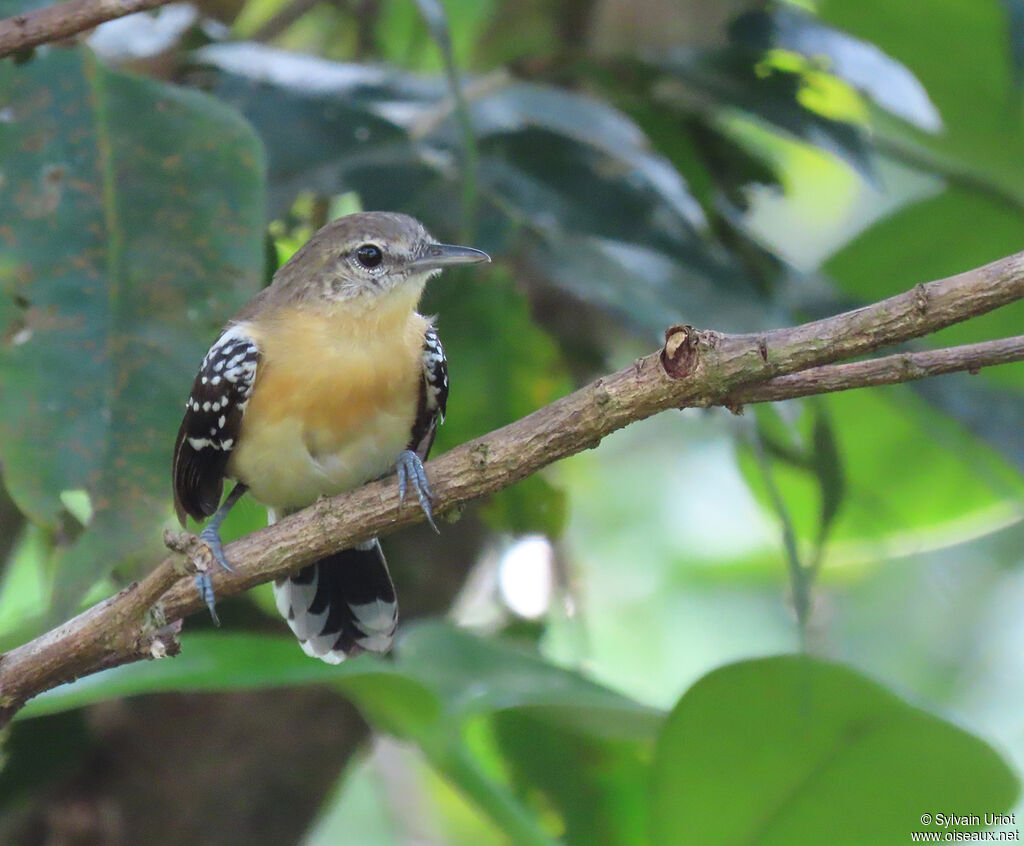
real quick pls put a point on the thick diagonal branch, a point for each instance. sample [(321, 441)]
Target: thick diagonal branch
[(696, 368)]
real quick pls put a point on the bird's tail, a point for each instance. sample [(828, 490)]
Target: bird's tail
[(342, 605)]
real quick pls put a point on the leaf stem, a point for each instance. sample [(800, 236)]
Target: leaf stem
[(437, 22), (799, 577)]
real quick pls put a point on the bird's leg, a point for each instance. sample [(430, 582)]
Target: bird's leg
[(211, 537), (410, 470)]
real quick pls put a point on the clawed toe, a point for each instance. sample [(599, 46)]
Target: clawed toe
[(211, 537), (410, 472)]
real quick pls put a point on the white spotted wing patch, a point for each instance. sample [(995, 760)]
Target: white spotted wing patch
[(435, 373), (213, 412), (433, 398), (213, 418)]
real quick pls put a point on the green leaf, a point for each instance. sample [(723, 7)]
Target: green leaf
[(828, 468), (982, 137), (327, 127), (930, 237), (596, 786), (475, 676), (441, 679), (734, 80), (887, 82), (810, 448), (208, 662), (947, 474), (439, 670), (133, 221), (929, 240), (649, 289), (559, 174), (797, 750), (490, 340), (990, 413)]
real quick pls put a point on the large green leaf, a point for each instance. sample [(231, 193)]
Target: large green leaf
[(441, 680), (439, 671), (796, 750), (554, 167), (975, 94), (133, 216)]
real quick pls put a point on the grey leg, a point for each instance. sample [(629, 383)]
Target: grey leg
[(211, 537), (410, 471)]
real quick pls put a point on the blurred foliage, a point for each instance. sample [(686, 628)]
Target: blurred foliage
[(621, 189)]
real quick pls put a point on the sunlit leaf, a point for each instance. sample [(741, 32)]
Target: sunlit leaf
[(887, 82), (981, 139), (947, 476), (732, 80)]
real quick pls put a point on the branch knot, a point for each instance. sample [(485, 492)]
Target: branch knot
[(679, 356)]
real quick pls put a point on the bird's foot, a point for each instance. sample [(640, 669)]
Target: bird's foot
[(410, 472), (211, 537)]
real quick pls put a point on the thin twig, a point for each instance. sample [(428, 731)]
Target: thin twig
[(54, 23), (890, 370), (695, 368)]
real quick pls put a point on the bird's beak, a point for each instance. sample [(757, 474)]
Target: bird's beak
[(440, 256)]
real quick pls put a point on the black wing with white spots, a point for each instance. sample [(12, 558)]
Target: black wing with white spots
[(213, 417), (433, 395)]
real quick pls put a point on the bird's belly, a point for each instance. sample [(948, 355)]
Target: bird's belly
[(333, 405), (286, 467)]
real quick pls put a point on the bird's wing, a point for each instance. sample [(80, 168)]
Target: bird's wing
[(433, 395), (213, 418)]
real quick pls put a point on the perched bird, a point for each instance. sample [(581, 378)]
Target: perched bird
[(326, 379)]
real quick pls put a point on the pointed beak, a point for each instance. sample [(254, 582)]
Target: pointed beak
[(440, 256)]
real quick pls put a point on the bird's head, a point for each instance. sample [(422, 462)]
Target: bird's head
[(363, 257)]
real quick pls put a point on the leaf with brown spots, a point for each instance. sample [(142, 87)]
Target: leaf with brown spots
[(133, 217)]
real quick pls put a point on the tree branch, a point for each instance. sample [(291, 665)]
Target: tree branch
[(695, 368), (53, 23), (890, 370)]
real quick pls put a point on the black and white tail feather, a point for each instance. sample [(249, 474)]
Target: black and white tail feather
[(341, 605), (345, 604)]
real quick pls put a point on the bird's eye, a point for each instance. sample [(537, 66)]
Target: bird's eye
[(369, 256)]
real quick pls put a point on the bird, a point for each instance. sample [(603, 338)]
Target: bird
[(325, 380)]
